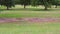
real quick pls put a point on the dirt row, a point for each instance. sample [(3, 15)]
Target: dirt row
[(29, 20)]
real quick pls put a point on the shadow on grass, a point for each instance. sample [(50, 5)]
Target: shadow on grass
[(28, 9)]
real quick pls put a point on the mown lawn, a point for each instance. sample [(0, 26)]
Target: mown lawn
[(19, 11), (30, 28)]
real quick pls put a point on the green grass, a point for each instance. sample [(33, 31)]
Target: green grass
[(29, 28), (19, 14), (19, 11)]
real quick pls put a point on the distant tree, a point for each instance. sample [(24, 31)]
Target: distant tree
[(34, 2), (8, 3), (17, 1), (46, 3), (55, 2), (25, 2), (40, 2), (0, 2)]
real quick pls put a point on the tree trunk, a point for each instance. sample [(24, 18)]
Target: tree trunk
[(7, 8), (56, 6), (45, 7), (24, 6)]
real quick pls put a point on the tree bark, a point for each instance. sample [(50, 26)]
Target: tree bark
[(24, 6), (45, 7), (7, 8), (56, 6)]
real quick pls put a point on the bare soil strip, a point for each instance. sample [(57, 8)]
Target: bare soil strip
[(2, 20)]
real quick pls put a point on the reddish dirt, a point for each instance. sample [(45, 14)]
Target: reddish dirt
[(2, 20)]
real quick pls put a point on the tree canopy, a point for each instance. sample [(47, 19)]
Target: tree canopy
[(7, 3), (45, 3)]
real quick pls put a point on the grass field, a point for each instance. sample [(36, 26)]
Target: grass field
[(29, 27)]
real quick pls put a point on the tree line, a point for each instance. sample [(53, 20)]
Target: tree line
[(46, 3)]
